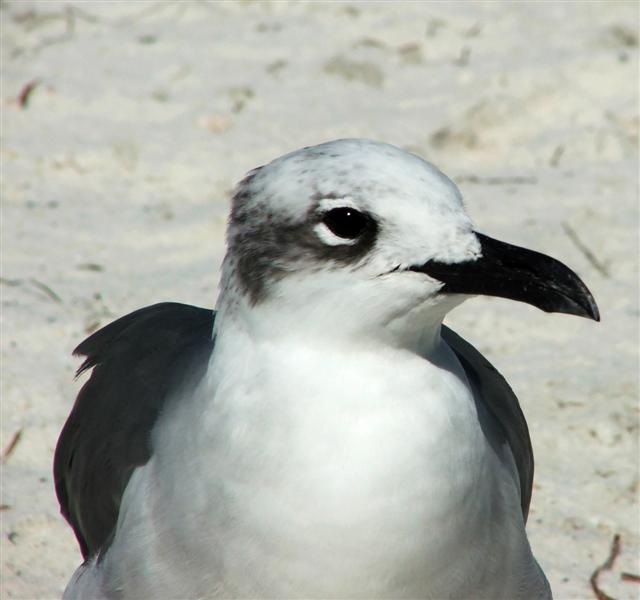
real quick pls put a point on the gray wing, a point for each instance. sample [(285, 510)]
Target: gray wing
[(499, 398), (139, 363)]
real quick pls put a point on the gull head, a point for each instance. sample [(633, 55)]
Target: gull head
[(355, 237)]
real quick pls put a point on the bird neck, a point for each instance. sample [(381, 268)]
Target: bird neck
[(413, 332), (354, 317)]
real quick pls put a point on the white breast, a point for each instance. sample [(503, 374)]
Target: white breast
[(313, 474)]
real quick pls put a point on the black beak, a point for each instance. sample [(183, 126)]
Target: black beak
[(519, 274)]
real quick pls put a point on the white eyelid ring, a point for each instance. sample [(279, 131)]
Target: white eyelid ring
[(331, 239), (322, 231), (326, 204)]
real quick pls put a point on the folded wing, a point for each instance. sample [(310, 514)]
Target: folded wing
[(140, 362), (498, 397)]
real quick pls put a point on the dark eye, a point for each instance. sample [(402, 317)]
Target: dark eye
[(347, 223)]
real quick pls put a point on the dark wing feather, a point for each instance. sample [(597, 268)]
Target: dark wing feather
[(500, 400), (139, 362)]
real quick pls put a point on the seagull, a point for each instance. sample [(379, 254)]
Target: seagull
[(321, 433)]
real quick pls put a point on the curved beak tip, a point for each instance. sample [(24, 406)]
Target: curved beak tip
[(594, 311)]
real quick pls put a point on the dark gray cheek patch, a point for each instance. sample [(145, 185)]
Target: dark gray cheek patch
[(265, 247)]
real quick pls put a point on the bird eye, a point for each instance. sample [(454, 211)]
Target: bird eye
[(345, 222)]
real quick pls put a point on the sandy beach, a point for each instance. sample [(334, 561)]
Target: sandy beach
[(125, 126)]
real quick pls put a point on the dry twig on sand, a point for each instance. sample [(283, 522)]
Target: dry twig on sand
[(606, 566), (586, 251), (11, 446)]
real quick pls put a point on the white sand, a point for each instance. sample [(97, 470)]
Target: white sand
[(116, 180)]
